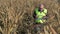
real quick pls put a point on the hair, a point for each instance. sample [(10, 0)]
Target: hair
[(41, 4)]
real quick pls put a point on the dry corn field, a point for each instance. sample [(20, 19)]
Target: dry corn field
[(16, 16)]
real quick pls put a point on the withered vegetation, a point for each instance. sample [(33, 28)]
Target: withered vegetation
[(16, 16)]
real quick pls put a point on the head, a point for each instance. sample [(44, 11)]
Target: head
[(41, 6)]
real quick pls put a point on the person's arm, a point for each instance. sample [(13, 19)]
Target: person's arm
[(45, 16), (34, 15)]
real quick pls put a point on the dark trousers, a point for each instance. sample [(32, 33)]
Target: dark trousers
[(39, 27)]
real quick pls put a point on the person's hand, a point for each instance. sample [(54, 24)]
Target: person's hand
[(36, 16), (45, 17)]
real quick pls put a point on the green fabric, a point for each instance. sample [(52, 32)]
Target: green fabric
[(40, 15)]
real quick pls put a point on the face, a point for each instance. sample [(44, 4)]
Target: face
[(41, 6)]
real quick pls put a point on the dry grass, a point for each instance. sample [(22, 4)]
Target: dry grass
[(16, 16)]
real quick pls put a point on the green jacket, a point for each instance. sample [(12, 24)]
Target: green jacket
[(40, 15)]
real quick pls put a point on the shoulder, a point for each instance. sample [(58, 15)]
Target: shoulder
[(36, 8), (45, 9)]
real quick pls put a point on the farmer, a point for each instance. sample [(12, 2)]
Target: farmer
[(40, 15)]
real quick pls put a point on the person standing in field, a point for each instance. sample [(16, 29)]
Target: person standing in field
[(40, 14)]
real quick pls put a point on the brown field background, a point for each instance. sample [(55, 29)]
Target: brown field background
[(16, 16)]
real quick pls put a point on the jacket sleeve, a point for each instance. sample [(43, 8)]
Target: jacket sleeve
[(45, 11), (34, 14)]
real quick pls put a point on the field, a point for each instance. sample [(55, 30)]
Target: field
[(16, 16)]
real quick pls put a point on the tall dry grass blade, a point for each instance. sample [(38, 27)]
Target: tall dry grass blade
[(52, 30)]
